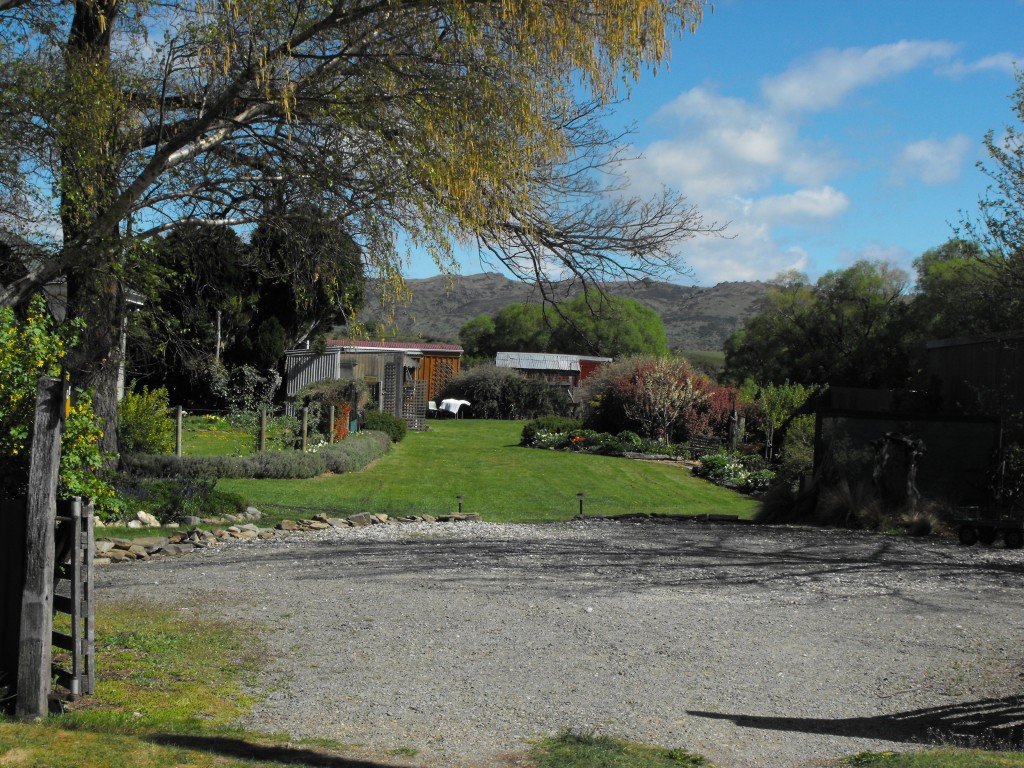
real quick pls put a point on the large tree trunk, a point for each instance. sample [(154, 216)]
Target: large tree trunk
[(89, 182)]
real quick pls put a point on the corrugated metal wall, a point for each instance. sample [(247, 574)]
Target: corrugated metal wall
[(307, 367)]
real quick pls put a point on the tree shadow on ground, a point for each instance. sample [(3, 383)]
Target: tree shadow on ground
[(706, 557), (989, 723), (263, 753)]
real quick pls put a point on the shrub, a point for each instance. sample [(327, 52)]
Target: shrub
[(352, 454), (29, 349), (551, 423), (658, 398), (382, 421), (144, 422), (356, 452), (797, 455), (743, 471), (501, 393), (631, 440), (849, 505)]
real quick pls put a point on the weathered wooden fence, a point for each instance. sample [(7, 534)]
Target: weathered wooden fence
[(41, 548)]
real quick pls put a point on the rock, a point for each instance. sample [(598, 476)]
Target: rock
[(135, 524), (250, 527), (151, 543), (103, 546), (287, 525), (360, 519), (316, 525), (473, 517), (146, 519), (243, 535), (446, 518), (98, 523), (101, 561), (178, 538), (138, 551), (190, 521), (265, 535), (338, 522), (178, 549), (429, 519), (170, 525), (123, 545), (319, 518), (233, 529), (251, 513), (381, 518), (117, 555)]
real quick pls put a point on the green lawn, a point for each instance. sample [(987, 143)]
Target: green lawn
[(202, 436), (501, 481)]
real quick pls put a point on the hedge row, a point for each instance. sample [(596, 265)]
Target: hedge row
[(351, 454)]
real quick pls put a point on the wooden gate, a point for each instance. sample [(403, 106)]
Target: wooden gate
[(72, 595)]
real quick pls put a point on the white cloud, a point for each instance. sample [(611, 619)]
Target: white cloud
[(804, 204), (825, 80), (1005, 62), (933, 161)]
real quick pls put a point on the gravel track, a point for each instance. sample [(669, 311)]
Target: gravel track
[(754, 646)]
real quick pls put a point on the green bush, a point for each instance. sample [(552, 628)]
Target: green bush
[(356, 451), (144, 424), (746, 472), (797, 455), (31, 348), (381, 421), (501, 393), (347, 456), (551, 423), (631, 440)]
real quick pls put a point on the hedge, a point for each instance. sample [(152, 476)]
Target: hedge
[(349, 455)]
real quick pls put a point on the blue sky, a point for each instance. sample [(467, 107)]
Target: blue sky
[(822, 131)]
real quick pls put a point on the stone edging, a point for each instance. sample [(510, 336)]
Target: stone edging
[(115, 550)]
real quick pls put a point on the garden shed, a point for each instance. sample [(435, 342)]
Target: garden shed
[(403, 376), (567, 370)]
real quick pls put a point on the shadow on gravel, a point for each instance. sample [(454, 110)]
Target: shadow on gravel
[(709, 557), (263, 753), (989, 723)]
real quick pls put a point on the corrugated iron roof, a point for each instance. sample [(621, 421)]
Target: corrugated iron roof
[(537, 361), (397, 346)]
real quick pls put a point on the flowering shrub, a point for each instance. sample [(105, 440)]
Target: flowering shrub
[(737, 470), (663, 399), (144, 424), (29, 350), (340, 426)]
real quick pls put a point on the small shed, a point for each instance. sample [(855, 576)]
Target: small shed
[(404, 375), (566, 370)]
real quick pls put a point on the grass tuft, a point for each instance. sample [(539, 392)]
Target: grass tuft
[(570, 749)]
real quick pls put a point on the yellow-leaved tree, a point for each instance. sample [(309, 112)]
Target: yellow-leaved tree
[(435, 122)]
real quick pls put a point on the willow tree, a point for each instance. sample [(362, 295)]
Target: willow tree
[(433, 122)]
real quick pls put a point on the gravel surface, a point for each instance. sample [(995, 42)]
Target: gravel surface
[(754, 646)]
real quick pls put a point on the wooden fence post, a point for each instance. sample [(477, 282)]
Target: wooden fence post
[(261, 442), (330, 425), (177, 430), (305, 427), (35, 649)]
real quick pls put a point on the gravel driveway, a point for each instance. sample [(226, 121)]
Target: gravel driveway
[(754, 646)]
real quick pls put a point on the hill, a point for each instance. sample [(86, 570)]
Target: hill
[(695, 318)]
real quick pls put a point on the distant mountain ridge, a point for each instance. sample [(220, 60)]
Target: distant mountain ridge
[(695, 318)]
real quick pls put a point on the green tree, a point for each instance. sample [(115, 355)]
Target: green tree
[(523, 328), (854, 327), (779, 403), (999, 226), (440, 120), (610, 326), (960, 292), (477, 336)]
